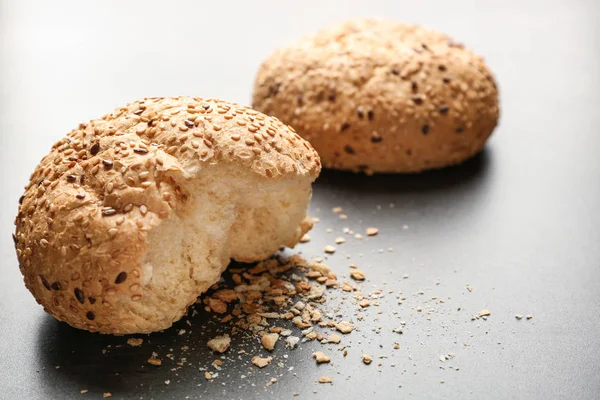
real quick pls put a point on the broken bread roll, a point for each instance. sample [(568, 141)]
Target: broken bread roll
[(132, 216)]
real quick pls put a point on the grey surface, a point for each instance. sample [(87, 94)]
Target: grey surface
[(519, 223)]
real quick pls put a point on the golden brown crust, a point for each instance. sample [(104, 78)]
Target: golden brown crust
[(381, 96), (83, 221)]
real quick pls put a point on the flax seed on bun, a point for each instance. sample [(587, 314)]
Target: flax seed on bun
[(381, 96), (130, 217)]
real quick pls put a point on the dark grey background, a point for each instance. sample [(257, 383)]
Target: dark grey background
[(520, 223)]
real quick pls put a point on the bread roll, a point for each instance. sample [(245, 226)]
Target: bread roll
[(380, 96), (132, 216)]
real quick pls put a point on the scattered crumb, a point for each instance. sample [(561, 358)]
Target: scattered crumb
[(339, 240), (329, 249), (220, 343), (83, 391), (358, 236), (325, 379), (107, 394), (272, 381), (343, 216), (364, 303), (372, 231), (333, 338), (367, 359), (357, 275), (291, 341), (321, 357), (519, 316), (529, 316), (344, 327), (469, 288), (217, 363), (261, 362), (305, 238), (155, 361), (268, 341), (337, 210), (484, 313), (207, 376), (135, 342)]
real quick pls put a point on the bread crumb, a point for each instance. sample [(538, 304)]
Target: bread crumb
[(155, 361), (272, 381), (218, 363), (337, 210), (469, 288), (207, 376), (519, 316), (372, 231), (329, 249), (83, 391), (358, 236), (261, 362), (343, 216), (107, 394), (217, 306), (484, 313), (291, 341), (344, 327), (364, 303), (220, 344), (305, 238), (339, 240), (325, 379), (529, 316), (333, 338), (367, 359), (357, 275), (135, 342), (321, 357), (268, 341)]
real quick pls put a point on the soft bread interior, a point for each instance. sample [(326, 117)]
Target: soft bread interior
[(230, 213)]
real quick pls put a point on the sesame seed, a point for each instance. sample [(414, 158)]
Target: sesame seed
[(107, 164), (425, 129), (349, 149), (71, 178), (376, 139), (442, 67), (395, 71), (460, 129), (45, 283), (108, 212), (90, 315), (55, 286), (188, 123), (95, 149), (140, 151), (370, 115), (80, 196), (344, 126), (417, 100), (122, 277), (443, 109), (79, 295)]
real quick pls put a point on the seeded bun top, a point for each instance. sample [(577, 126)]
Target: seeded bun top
[(381, 96), (131, 216)]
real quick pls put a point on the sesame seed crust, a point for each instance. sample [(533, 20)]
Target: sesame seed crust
[(381, 96), (83, 222)]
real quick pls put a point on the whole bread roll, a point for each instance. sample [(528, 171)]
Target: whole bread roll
[(132, 216), (381, 96)]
